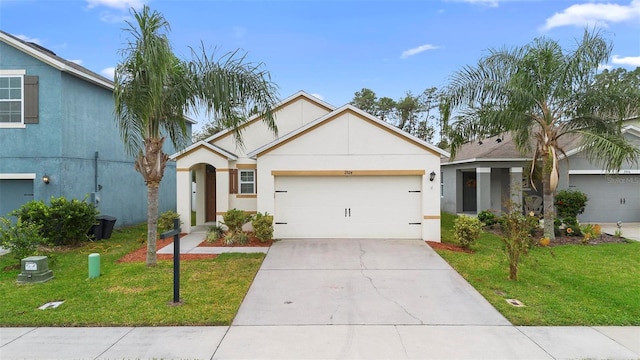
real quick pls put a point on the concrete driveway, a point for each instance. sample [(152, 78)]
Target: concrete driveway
[(361, 282)]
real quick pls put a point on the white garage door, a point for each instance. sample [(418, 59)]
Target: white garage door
[(611, 197), (348, 207)]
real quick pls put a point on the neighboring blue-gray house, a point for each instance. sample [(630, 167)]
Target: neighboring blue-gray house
[(58, 137), (484, 175)]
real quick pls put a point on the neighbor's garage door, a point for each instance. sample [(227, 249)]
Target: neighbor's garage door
[(14, 193), (348, 207), (611, 197)]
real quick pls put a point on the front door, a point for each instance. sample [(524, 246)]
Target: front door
[(210, 194), (469, 199)]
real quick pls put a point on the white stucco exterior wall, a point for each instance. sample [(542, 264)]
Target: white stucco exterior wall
[(350, 143)]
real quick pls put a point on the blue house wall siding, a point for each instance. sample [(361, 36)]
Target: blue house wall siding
[(76, 121)]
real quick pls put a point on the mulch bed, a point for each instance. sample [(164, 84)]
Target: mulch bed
[(442, 246), (253, 242), (560, 240)]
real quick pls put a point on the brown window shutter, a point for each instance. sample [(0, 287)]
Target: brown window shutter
[(233, 181), (31, 100)]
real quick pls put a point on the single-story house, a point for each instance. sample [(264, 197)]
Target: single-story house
[(485, 173), (328, 173)]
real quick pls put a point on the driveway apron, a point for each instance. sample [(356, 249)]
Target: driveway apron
[(361, 282)]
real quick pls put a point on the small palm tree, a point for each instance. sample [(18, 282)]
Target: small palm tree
[(154, 89), (541, 94)]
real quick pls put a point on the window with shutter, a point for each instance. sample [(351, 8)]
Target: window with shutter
[(11, 99), (18, 99), (31, 100)]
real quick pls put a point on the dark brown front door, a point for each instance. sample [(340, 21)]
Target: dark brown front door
[(210, 194)]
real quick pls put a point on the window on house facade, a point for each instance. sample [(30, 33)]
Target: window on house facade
[(441, 184), (19, 99), (11, 95), (247, 180)]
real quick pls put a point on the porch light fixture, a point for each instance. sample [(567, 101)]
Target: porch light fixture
[(46, 179), (432, 176)]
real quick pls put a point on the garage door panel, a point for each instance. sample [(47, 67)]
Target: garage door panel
[(14, 193), (348, 207), (611, 198)]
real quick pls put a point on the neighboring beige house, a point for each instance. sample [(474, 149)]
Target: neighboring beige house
[(330, 173)]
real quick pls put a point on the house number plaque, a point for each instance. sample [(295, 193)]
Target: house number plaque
[(348, 172)]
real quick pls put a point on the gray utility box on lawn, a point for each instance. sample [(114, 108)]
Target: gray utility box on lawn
[(35, 269)]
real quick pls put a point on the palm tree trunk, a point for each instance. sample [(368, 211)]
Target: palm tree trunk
[(152, 222), (151, 165), (547, 196)]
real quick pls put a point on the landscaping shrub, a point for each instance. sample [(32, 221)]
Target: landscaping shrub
[(215, 232), (165, 221), (21, 239), (589, 232), (234, 219), (570, 203), (62, 222), (263, 226), (238, 237), (572, 228), (487, 217), (516, 236), (466, 230)]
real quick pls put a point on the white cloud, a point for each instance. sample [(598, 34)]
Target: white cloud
[(116, 4), (418, 50), (490, 3), (590, 14), (108, 72), (28, 39), (76, 61), (113, 18), (626, 60), (604, 67), (318, 96)]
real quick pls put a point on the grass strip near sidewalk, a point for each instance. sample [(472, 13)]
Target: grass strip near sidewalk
[(127, 294), (563, 285)]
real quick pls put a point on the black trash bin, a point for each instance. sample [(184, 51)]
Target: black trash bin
[(96, 230), (108, 222)]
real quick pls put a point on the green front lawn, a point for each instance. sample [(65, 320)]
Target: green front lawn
[(127, 294), (562, 285)]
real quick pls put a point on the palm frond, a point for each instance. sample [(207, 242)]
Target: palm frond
[(608, 150), (229, 83)]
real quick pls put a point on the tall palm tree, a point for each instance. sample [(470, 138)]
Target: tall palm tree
[(154, 89), (541, 93)]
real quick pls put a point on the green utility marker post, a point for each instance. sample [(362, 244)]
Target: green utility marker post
[(94, 265)]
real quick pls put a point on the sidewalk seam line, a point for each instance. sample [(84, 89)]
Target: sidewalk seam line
[(117, 341)]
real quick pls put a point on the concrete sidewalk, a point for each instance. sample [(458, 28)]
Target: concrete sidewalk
[(340, 299), (322, 342)]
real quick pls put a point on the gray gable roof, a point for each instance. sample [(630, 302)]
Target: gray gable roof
[(502, 148), (54, 60)]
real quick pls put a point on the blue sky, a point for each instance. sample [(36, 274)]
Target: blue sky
[(331, 48)]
